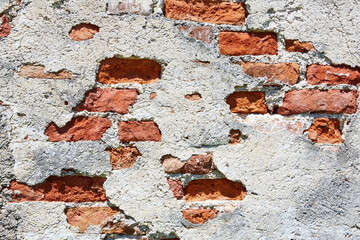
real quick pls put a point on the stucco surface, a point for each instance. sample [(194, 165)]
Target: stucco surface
[(296, 189)]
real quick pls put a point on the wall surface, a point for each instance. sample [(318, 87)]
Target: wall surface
[(179, 119)]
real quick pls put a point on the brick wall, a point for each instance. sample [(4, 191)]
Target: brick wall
[(178, 119)]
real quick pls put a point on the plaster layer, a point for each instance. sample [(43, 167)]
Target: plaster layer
[(295, 188)]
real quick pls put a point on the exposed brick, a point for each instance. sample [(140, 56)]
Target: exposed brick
[(214, 189), (108, 100), (211, 11), (282, 72), (37, 71), (5, 27), (153, 95), (332, 75), (203, 34), (176, 187), (196, 164), (117, 70), (247, 102), (199, 164), (79, 129), (248, 43), (139, 131), (123, 157), (319, 101), (83, 31), (171, 164), (63, 189), (297, 46), (198, 216), (325, 130), (83, 217), (235, 136), (104, 217), (193, 96), (121, 228)]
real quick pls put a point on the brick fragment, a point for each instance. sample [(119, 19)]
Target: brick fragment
[(297, 46), (214, 189), (83, 31), (203, 34), (83, 217), (319, 101), (211, 11), (79, 129), (247, 102), (171, 164), (117, 70), (61, 189), (123, 157), (235, 136), (108, 100), (104, 217), (332, 75), (199, 216), (5, 27), (176, 187), (325, 130), (38, 71), (152, 95), (131, 131), (282, 72), (199, 164), (248, 43), (193, 96)]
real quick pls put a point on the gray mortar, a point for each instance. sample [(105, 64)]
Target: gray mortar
[(296, 189)]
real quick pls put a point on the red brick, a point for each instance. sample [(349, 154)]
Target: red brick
[(247, 102), (37, 71), (139, 131), (61, 189), (152, 95), (325, 130), (297, 46), (117, 70), (332, 75), (83, 31), (108, 100), (5, 27), (79, 129), (235, 136), (123, 157), (248, 43), (171, 164), (319, 101), (211, 11), (104, 217), (282, 72), (203, 34), (83, 217), (176, 187), (214, 189), (193, 96), (199, 216), (199, 164)]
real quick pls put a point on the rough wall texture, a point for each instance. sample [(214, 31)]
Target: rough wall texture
[(179, 119)]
